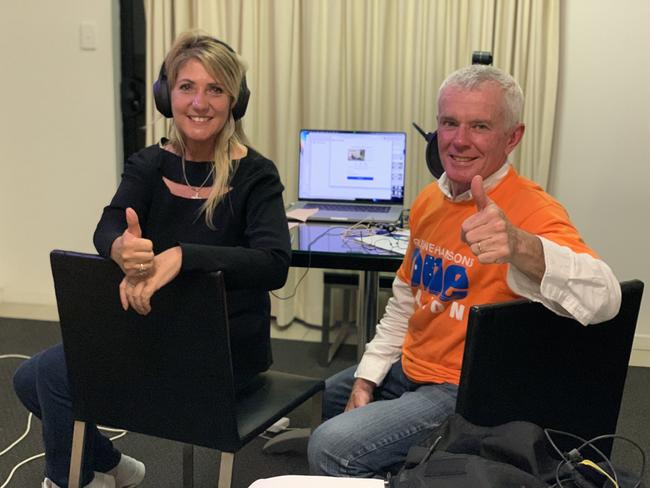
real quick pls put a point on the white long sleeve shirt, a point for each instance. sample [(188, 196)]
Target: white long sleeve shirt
[(574, 285)]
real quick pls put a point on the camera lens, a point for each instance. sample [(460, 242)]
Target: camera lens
[(481, 57)]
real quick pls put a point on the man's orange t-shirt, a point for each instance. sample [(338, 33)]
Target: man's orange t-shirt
[(447, 279)]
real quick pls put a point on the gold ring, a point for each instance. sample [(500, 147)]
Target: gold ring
[(479, 247), (141, 268)]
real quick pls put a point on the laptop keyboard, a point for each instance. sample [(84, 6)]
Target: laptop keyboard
[(347, 207)]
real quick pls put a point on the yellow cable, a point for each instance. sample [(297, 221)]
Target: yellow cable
[(593, 465)]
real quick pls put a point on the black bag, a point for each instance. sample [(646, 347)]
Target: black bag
[(513, 455)]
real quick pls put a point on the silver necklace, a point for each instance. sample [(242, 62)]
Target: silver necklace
[(195, 189)]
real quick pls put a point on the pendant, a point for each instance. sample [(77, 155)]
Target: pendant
[(196, 196)]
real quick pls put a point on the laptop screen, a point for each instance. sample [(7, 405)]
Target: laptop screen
[(352, 166)]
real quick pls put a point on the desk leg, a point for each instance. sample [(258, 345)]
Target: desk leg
[(367, 309)]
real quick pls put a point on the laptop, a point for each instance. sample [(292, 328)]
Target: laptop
[(351, 176)]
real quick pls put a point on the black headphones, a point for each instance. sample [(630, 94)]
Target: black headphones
[(432, 156), (162, 95)]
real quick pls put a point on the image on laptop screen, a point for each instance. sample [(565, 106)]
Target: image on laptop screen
[(351, 166)]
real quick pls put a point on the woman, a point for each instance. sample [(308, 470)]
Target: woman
[(200, 200)]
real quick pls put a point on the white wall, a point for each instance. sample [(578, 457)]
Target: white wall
[(602, 160), (58, 135)]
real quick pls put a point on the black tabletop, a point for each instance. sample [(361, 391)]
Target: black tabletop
[(335, 247)]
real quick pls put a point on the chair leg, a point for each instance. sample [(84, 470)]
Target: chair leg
[(76, 456), (325, 334), (188, 465), (329, 350), (225, 469), (316, 410)]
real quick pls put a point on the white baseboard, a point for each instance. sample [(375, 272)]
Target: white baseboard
[(640, 351), (642, 342), (29, 311), (640, 358), (28, 297)]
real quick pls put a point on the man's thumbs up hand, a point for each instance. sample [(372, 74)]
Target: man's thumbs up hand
[(488, 232)]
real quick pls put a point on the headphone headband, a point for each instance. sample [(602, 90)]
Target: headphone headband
[(162, 93)]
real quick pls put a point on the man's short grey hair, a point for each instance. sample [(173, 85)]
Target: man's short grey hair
[(473, 76)]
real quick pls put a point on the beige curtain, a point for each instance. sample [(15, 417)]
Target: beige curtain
[(365, 65)]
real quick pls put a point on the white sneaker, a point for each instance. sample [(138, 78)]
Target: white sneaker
[(129, 473), (101, 480)]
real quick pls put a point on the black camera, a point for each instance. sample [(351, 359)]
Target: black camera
[(482, 57)]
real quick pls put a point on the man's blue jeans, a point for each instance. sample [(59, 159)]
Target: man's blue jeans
[(41, 384), (374, 439)]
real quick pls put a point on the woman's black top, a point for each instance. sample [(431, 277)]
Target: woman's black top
[(250, 242)]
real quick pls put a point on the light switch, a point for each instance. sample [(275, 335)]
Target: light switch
[(87, 39)]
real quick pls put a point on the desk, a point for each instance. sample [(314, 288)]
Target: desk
[(322, 246)]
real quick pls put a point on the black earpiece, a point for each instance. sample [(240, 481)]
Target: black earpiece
[(432, 156), (163, 100)]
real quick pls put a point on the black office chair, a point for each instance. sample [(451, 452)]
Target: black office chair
[(523, 362), (168, 374)]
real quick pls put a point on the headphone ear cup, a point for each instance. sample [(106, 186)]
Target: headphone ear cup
[(433, 158), (239, 109), (161, 95)]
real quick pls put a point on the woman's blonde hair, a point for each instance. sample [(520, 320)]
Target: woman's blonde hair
[(223, 65)]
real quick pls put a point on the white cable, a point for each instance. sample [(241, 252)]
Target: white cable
[(21, 463), (17, 441), (29, 417), (29, 426), (121, 432)]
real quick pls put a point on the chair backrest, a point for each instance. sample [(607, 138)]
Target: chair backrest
[(167, 374), (524, 362)]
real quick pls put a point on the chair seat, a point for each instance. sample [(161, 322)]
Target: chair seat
[(280, 394)]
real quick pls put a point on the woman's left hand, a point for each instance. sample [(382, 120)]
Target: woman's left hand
[(138, 294)]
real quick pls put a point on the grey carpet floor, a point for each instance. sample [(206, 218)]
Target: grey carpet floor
[(163, 458)]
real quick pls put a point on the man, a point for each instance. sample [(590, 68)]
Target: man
[(480, 234)]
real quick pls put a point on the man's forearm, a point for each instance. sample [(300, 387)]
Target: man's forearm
[(574, 284), (528, 256)]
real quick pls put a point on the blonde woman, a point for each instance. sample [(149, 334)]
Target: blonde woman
[(201, 200)]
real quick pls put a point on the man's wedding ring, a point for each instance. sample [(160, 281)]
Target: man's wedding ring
[(478, 244), (141, 269)]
